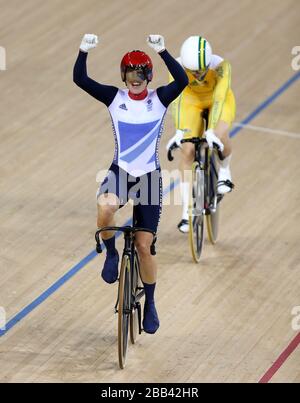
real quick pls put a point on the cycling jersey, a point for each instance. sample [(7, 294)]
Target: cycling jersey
[(137, 124), (213, 93)]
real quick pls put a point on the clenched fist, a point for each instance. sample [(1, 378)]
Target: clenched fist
[(156, 42), (89, 41)]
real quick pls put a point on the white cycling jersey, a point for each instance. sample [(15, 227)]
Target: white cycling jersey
[(137, 127)]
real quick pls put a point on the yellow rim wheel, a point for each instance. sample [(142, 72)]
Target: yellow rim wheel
[(123, 317), (196, 222), (134, 312), (212, 219)]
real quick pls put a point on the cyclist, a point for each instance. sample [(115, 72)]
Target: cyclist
[(137, 115), (209, 89)]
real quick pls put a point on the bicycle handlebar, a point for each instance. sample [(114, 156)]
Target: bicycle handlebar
[(195, 140), (170, 156), (125, 230)]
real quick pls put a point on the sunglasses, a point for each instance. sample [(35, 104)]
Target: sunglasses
[(199, 74), (135, 75)]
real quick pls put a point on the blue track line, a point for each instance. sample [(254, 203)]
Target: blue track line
[(266, 103), (84, 262), (71, 273)]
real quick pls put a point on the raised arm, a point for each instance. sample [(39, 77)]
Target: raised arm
[(103, 93), (170, 92)]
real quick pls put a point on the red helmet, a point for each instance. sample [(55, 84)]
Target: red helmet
[(137, 60)]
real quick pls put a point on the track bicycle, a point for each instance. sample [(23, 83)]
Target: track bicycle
[(130, 289), (204, 200)]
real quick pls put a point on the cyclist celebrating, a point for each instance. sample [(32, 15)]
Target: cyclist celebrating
[(209, 89), (137, 115)]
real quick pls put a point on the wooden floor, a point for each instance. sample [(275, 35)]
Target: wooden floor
[(225, 320)]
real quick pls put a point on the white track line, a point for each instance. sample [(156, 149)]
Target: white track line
[(262, 129), (270, 131)]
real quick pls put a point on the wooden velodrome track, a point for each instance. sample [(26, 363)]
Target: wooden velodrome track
[(227, 319)]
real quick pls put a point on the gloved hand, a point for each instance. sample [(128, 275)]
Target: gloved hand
[(89, 41), (211, 138), (175, 140), (156, 42)]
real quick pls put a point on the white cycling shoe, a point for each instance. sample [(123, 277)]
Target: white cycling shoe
[(183, 226), (225, 184)]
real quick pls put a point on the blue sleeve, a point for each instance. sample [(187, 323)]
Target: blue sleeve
[(103, 93), (170, 92)]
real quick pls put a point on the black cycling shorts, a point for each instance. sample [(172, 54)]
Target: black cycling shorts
[(145, 191)]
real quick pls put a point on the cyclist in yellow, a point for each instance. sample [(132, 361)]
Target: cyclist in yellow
[(209, 89)]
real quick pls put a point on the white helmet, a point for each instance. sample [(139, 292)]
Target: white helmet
[(196, 53)]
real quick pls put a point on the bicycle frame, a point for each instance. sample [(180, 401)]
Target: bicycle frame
[(130, 251), (206, 162)]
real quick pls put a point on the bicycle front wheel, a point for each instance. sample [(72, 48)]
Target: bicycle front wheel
[(196, 212), (134, 314), (213, 215), (124, 309)]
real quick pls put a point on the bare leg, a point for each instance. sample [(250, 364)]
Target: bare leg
[(107, 207), (222, 131), (148, 263), (187, 159)]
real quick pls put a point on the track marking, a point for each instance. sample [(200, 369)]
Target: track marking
[(281, 360), (267, 130)]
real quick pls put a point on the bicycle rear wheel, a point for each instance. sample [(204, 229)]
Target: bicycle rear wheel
[(213, 216), (196, 212), (124, 309)]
